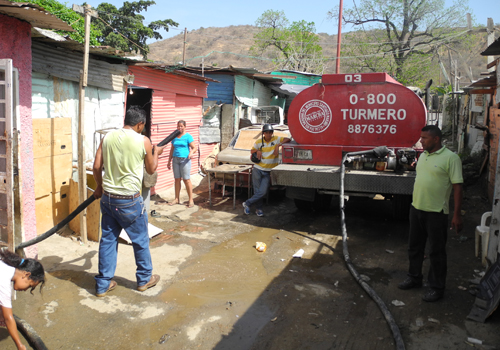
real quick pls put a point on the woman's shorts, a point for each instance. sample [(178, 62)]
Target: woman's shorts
[(182, 168)]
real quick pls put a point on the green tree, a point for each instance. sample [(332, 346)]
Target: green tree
[(292, 46), (401, 37), (123, 28), (75, 20)]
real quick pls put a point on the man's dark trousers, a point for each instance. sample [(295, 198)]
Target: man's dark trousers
[(433, 226)]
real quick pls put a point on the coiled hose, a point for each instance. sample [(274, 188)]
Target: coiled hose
[(380, 303)]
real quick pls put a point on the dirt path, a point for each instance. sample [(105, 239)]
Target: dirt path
[(218, 292)]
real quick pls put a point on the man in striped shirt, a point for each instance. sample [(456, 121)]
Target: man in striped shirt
[(267, 149)]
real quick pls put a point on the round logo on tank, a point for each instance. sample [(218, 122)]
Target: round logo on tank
[(315, 116)]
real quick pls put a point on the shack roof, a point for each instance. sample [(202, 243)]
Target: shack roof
[(36, 15)]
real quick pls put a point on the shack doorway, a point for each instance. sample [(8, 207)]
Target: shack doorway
[(143, 98)]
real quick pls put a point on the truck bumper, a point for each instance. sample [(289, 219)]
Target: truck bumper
[(328, 178)]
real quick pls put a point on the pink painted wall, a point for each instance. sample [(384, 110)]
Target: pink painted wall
[(15, 43)]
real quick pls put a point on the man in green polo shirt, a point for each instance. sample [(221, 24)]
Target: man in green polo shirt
[(439, 170)]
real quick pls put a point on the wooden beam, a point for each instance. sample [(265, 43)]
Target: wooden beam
[(482, 91), (493, 64)]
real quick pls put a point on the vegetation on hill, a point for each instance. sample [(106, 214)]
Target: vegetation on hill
[(222, 47), (291, 46)]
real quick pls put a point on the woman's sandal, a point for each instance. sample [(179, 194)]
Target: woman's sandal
[(173, 203), (190, 205)]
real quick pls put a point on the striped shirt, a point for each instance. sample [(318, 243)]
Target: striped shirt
[(268, 160)]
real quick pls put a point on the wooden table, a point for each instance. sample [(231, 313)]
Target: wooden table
[(229, 169)]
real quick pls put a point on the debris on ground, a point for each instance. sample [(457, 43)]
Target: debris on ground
[(299, 253), (260, 246), (398, 303)]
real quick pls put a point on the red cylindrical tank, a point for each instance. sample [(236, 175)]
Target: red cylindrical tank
[(369, 109)]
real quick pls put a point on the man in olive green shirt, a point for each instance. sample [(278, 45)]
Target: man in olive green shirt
[(122, 155), (438, 172)]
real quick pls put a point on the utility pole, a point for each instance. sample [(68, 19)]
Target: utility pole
[(339, 38), (491, 38), (82, 171), (184, 48)]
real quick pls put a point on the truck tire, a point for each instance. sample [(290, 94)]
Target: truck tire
[(303, 205), (401, 204), (322, 202)]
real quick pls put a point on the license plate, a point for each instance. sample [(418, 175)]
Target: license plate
[(305, 154)]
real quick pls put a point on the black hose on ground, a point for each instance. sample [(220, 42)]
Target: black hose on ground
[(60, 225), (29, 334), (380, 303)]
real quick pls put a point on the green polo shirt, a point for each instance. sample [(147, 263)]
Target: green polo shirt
[(436, 173)]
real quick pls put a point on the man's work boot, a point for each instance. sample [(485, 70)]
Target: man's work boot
[(152, 282)]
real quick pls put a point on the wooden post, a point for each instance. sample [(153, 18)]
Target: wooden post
[(82, 171), (184, 48)]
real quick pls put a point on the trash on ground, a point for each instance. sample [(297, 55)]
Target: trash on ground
[(336, 284), (398, 303), (389, 251), (274, 319), (260, 246), (299, 253), (419, 322), (364, 278), (462, 288), (164, 338), (433, 320), (474, 341), (463, 238)]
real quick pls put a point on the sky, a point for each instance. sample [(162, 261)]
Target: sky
[(223, 13)]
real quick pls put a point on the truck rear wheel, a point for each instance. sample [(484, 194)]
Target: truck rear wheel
[(320, 204), (303, 205), (401, 204)]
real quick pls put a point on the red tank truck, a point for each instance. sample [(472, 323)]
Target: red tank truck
[(351, 113)]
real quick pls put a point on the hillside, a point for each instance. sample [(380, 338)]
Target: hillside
[(221, 47)]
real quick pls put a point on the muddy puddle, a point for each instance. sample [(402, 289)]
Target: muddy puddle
[(220, 286)]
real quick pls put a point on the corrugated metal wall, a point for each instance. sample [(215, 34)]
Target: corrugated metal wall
[(67, 64), (261, 94), (157, 79), (174, 98), (300, 79), (222, 92), (243, 90), (163, 123)]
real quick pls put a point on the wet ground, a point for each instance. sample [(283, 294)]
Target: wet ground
[(218, 292)]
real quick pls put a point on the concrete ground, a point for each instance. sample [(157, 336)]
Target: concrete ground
[(218, 292)]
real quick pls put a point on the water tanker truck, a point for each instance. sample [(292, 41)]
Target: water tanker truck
[(352, 113)]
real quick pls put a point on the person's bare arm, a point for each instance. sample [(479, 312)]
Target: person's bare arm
[(191, 150), (169, 165), (277, 148), (456, 222), (152, 153), (97, 170), (10, 322)]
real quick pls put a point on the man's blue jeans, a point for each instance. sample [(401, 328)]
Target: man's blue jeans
[(130, 215), (261, 181)]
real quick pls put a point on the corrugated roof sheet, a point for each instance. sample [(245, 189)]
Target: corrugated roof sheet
[(35, 15), (493, 49)]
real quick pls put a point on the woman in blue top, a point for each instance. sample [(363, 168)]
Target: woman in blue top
[(181, 153)]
